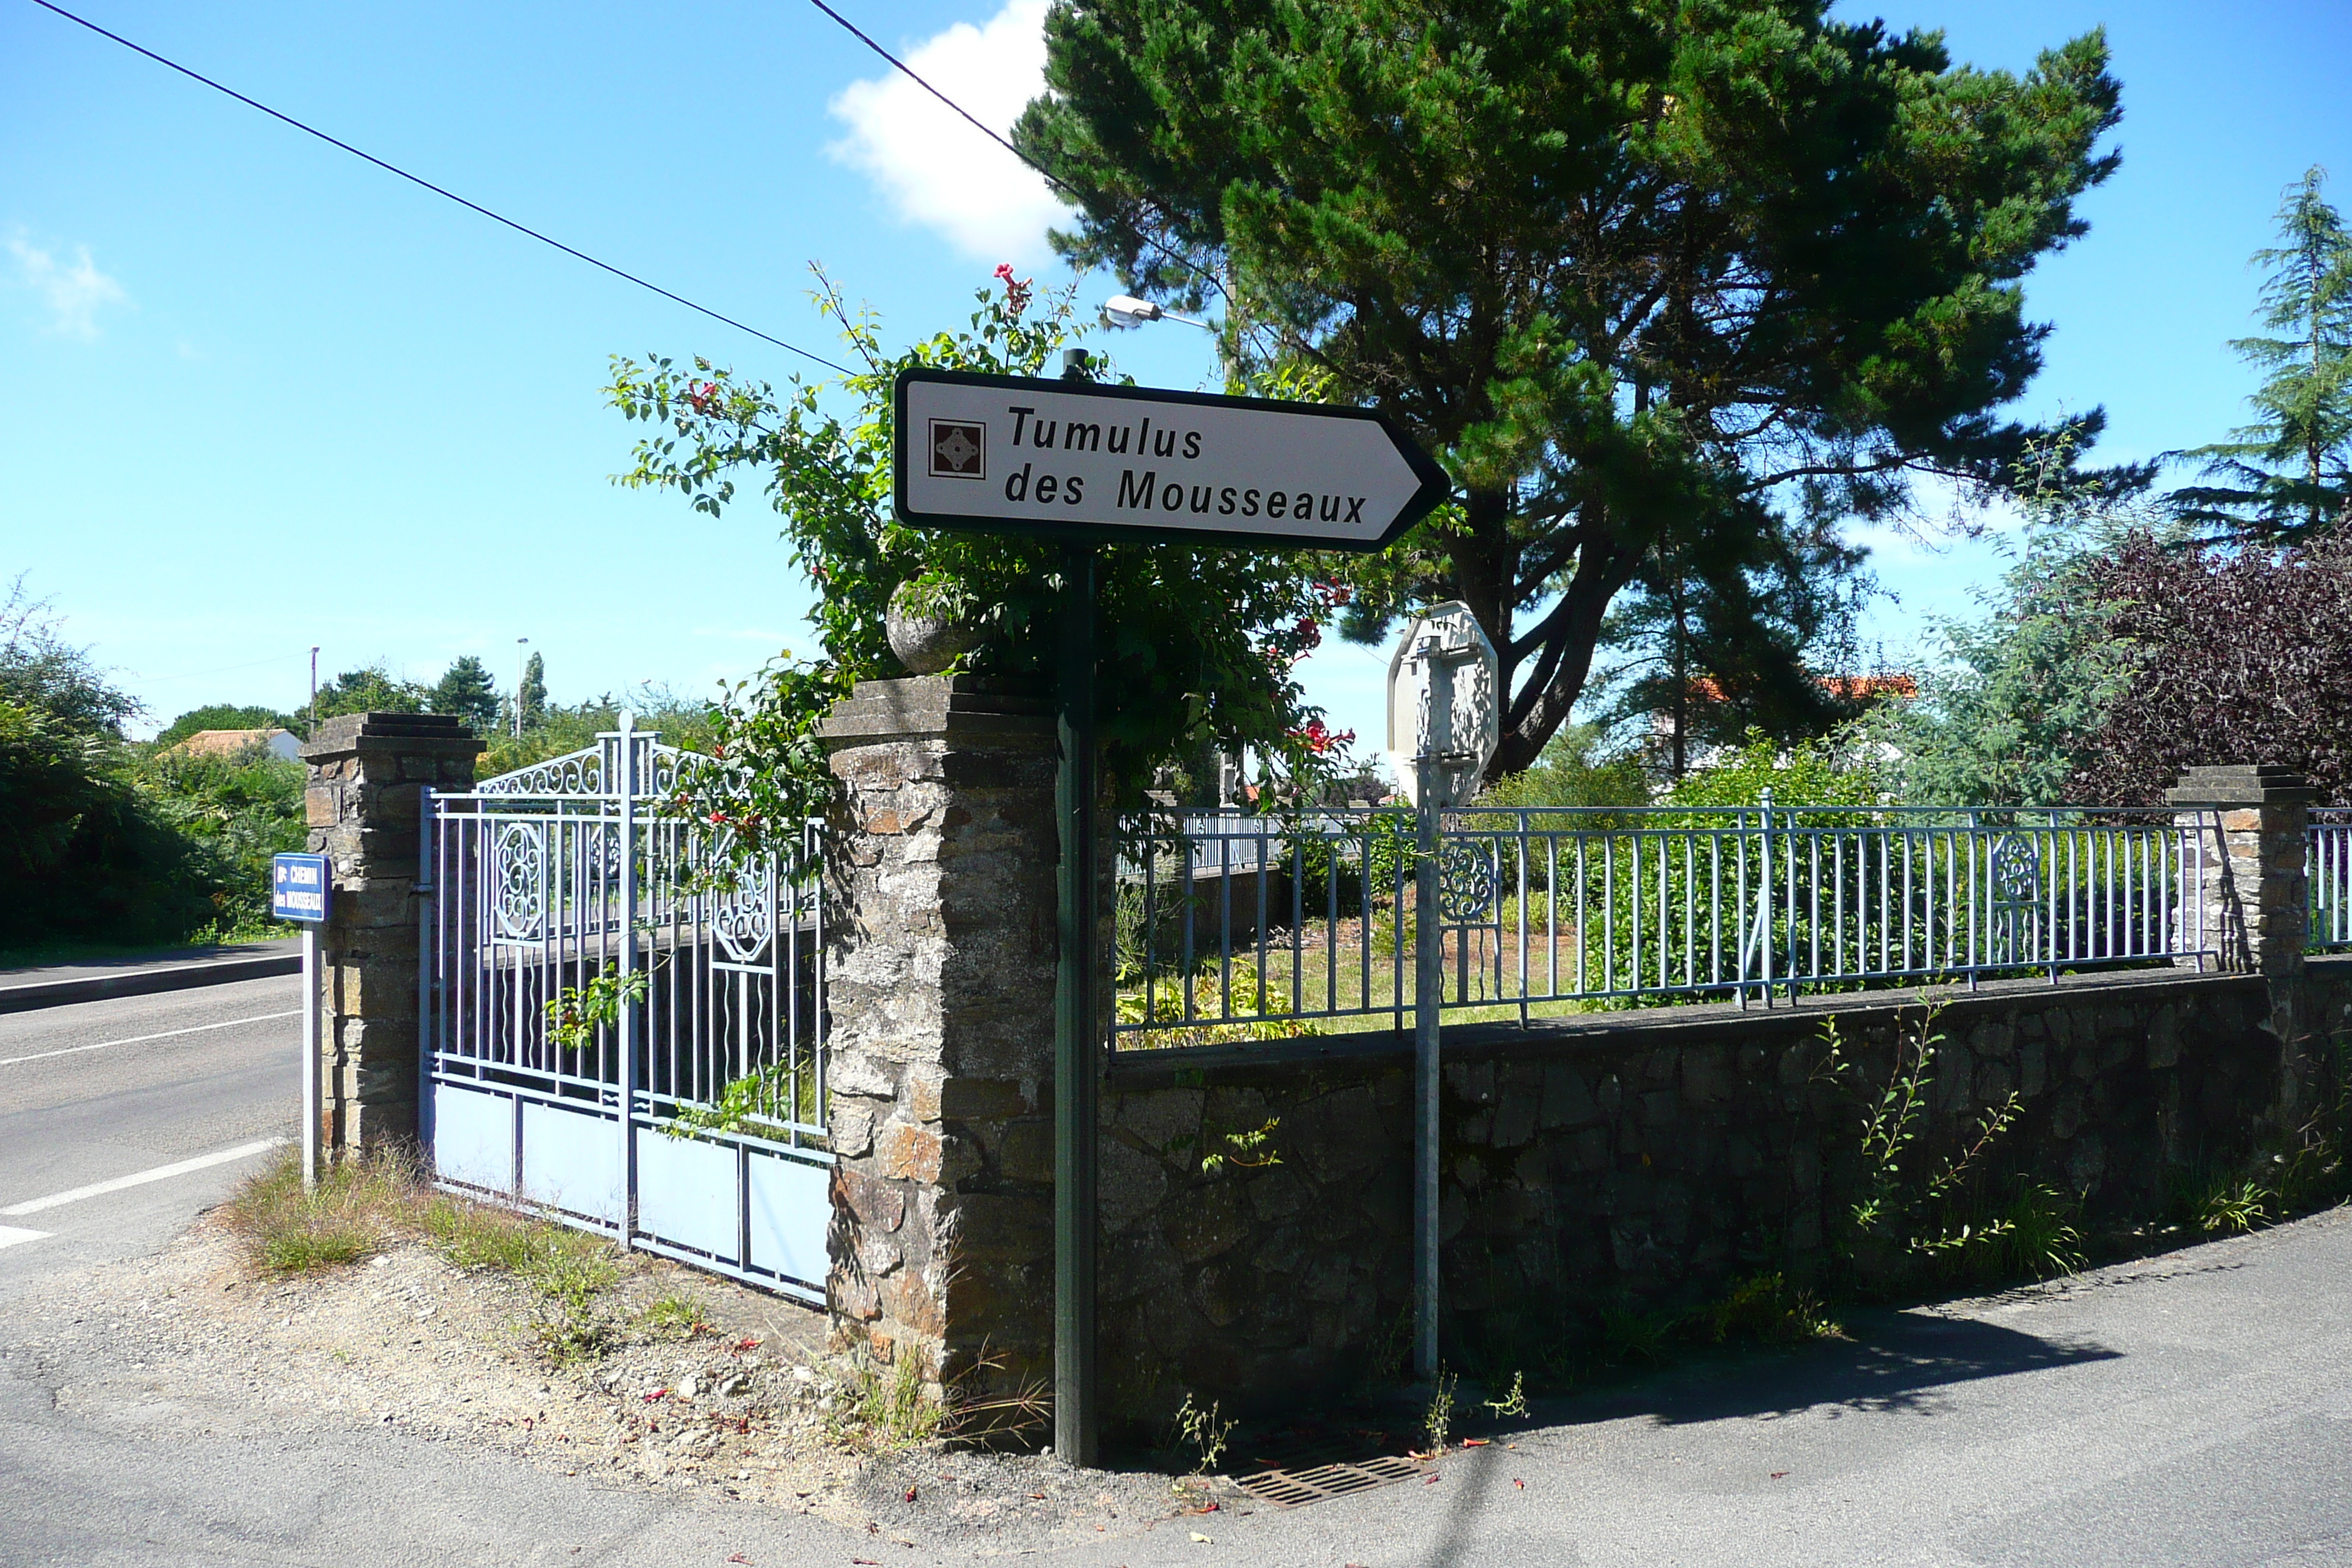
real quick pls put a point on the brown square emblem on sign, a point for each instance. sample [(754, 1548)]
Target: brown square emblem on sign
[(958, 449)]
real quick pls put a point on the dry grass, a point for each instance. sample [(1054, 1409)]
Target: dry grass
[(357, 1207), (360, 1206)]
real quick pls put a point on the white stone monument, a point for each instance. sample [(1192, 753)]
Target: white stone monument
[(1445, 702)]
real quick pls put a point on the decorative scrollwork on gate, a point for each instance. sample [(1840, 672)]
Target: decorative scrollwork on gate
[(2015, 936), (1466, 881), (519, 875), (575, 772), (743, 917), (2016, 871)]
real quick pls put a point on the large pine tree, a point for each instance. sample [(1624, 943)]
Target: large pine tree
[(1658, 280), (2289, 474)]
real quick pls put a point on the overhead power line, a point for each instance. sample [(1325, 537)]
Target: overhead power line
[(439, 191), (1051, 178)]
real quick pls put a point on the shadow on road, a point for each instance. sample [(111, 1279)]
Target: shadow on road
[(1893, 1362)]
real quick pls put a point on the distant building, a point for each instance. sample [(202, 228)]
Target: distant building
[(1707, 693), (1869, 688), (236, 743)]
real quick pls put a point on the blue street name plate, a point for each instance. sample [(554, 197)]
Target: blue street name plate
[(298, 886)]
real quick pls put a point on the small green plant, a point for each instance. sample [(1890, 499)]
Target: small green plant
[(1203, 1432), (1628, 1334), (2231, 1208), (577, 1013), (1763, 1309), (885, 1409), (1514, 1404), (773, 1099), (569, 1323), (1438, 1420), (675, 1316), (1249, 1151), (2040, 1239)]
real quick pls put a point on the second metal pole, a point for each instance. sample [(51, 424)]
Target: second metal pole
[(1075, 1073), (1429, 981), (311, 982)]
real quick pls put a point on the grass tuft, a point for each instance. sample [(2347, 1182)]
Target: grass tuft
[(677, 1316), (356, 1207), (1765, 1310), (361, 1206)]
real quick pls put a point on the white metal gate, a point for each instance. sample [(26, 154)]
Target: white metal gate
[(588, 951)]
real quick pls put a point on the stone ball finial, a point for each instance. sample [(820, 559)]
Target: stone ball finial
[(926, 641)]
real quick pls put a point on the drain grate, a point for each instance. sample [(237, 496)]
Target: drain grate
[(1296, 1489)]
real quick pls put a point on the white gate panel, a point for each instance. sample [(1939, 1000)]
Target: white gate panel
[(790, 1208), (686, 1193), (473, 1137), (572, 1160)]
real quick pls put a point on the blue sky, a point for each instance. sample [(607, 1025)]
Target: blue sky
[(262, 396)]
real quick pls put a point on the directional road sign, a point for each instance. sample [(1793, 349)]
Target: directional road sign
[(297, 888), (1072, 459)]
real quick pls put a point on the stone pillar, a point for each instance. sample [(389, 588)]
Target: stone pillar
[(368, 775), (940, 995), (2257, 902)]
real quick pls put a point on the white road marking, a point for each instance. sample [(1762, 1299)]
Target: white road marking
[(159, 1174), (10, 1235), (141, 1039)]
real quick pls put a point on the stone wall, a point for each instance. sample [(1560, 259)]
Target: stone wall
[(1639, 1160), (364, 803), (941, 1050), (1632, 1158)]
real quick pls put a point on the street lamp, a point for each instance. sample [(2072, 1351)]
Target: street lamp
[(519, 669), (1126, 310)]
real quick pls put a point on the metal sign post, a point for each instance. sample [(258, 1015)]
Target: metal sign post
[(299, 890), (1450, 749), (1092, 465), (1076, 1081)]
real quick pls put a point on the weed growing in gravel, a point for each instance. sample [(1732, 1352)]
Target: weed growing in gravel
[(1764, 1310), (1202, 1430), (356, 1205), (882, 1409), (569, 1270), (677, 1316), (1439, 1420), (569, 1322), (1514, 1404)]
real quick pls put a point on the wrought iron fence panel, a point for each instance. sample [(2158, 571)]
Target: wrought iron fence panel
[(1263, 926), (636, 1008), (2330, 873)]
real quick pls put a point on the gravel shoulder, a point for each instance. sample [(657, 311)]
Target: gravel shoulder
[(750, 1412)]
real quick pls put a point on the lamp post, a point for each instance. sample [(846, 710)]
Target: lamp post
[(1126, 310), (519, 669)]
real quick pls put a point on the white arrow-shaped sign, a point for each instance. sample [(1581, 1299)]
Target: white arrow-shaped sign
[(1073, 459)]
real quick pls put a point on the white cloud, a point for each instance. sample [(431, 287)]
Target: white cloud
[(73, 291), (932, 163)]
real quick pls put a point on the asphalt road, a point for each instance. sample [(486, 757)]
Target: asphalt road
[(2194, 1409), (101, 1090)]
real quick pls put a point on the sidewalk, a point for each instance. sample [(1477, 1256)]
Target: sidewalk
[(140, 974)]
